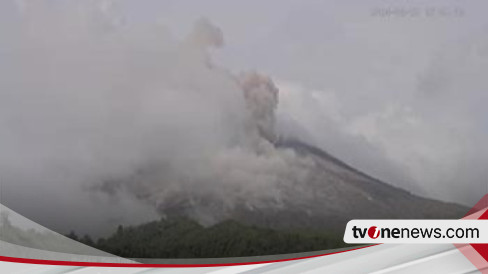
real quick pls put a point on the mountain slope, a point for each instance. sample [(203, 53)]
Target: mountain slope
[(183, 238), (325, 195)]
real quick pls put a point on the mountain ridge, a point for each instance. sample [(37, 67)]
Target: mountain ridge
[(332, 193)]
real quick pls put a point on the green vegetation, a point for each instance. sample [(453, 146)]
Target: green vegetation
[(184, 238)]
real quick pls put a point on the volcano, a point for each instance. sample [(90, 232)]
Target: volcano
[(327, 195)]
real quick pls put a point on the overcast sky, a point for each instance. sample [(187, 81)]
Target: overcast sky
[(395, 88)]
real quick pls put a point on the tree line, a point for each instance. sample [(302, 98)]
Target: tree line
[(185, 238)]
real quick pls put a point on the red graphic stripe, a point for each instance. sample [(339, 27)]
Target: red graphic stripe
[(98, 264)]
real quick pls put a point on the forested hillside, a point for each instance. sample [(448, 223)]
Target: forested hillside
[(184, 238)]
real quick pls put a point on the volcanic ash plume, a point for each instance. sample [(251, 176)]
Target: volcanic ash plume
[(89, 101), (261, 97)]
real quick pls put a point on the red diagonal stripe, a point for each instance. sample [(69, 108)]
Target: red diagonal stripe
[(483, 203), (482, 249)]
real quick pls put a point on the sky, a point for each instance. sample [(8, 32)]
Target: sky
[(394, 88)]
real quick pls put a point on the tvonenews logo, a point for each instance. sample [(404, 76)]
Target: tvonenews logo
[(416, 231)]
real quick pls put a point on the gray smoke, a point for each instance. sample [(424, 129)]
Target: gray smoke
[(261, 97), (88, 104), (104, 118)]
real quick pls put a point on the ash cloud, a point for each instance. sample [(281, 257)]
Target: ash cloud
[(106, 121), (104, 118)]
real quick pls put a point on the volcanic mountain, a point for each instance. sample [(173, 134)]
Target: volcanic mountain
[(326, 195), (237, 166)]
